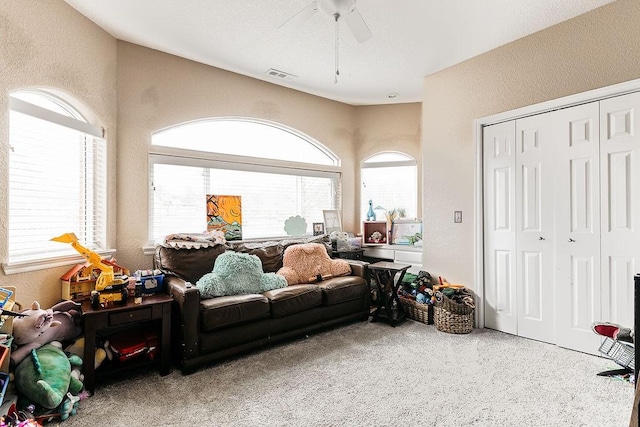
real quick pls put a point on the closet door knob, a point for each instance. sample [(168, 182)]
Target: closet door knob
[(571, 240), (540, 238)]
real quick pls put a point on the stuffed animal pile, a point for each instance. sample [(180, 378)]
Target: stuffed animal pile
[(58, 323), (44, 374)]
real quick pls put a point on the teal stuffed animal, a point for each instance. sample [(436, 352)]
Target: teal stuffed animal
[(236, 273), (44, 377)]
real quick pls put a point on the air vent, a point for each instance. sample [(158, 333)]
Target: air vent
[(280, 74)]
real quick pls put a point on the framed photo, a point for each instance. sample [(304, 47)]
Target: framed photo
[(318, 228), (331, 221), (406, 233)]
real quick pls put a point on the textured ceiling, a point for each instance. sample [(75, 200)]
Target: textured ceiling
[(411, 38)]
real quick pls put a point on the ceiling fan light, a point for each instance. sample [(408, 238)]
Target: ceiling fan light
[(331, 7)]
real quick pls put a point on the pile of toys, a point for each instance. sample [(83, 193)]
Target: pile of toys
[(419, 290), (424, 289)]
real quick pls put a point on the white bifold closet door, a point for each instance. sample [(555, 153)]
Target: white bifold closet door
[(578, 287), (500, 227), (535, 261), (562, 211), (519, 227), (620, 214)]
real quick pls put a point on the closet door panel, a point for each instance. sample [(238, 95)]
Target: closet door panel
[(499, 227), (577, 215), (534, 228), (620, 179)]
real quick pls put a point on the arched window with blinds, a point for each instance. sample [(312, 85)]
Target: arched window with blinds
[(57, 179), (390, 180), (277, 171)]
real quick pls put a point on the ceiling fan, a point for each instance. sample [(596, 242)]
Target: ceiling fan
[(337, 9)]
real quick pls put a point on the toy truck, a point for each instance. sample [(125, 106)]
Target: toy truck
[(110, 288)]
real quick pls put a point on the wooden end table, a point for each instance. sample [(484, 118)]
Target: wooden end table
[(154, 310), (385, 273)]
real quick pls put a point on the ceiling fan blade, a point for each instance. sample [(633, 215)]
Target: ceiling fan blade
[(300, 17), (358, 27)]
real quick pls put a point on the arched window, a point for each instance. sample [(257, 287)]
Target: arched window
[(277, 172), (390, 180), (57, 178)]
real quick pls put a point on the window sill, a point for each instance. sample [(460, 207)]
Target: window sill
[(15, 267), (149, 250)]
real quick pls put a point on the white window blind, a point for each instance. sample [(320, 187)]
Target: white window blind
[(57, 180), (390, 181), (268, 199), (272, 189)]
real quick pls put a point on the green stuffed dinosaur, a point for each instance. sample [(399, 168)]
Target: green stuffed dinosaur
[(45, 376)]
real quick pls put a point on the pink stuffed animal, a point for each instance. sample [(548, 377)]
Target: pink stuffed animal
[(303, 263), (59, 323)]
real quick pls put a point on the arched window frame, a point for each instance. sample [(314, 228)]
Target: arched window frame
[(166, 155), (36, 114), (371, 163)]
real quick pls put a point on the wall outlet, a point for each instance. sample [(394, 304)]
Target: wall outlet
[(457, 216)]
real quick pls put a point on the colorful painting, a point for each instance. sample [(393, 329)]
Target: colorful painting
[(224, 213)]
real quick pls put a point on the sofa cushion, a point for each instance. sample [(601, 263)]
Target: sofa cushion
[(324, 240), (231, 310), (187, 264), (270, 253), (341, 289), (293, 299)]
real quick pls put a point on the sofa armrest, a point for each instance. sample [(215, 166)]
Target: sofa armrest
[(185, 320), (358, 268)]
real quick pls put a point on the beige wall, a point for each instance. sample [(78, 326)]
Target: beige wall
[(593, 50), (394, 127), (156, 90), (46, 43)]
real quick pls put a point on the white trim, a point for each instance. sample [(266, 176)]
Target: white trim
[(175, 156), (15, 267), (29, 109), (478, 238), (149, 249), (364, 165), (530, 110)]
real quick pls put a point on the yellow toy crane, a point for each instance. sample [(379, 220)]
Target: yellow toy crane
[(109, 287)]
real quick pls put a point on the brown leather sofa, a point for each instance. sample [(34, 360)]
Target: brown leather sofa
[(206, 330)]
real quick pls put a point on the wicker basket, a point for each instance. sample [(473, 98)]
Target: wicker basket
[(452, 317), (416, 311)]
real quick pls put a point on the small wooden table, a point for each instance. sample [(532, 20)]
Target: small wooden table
[(385, 273), (154, 308)]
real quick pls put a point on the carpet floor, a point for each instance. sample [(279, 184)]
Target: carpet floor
[(369, 374)]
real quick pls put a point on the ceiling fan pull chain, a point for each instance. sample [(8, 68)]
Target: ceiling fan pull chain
[(337, 16)]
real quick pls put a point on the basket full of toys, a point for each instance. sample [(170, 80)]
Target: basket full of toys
[(417, 299), (454, 307)]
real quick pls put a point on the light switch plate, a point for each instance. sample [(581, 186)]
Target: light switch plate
[(457, 216)]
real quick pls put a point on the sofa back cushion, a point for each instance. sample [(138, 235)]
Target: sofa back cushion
[(192, 264), (188, 264), (270, 253)]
